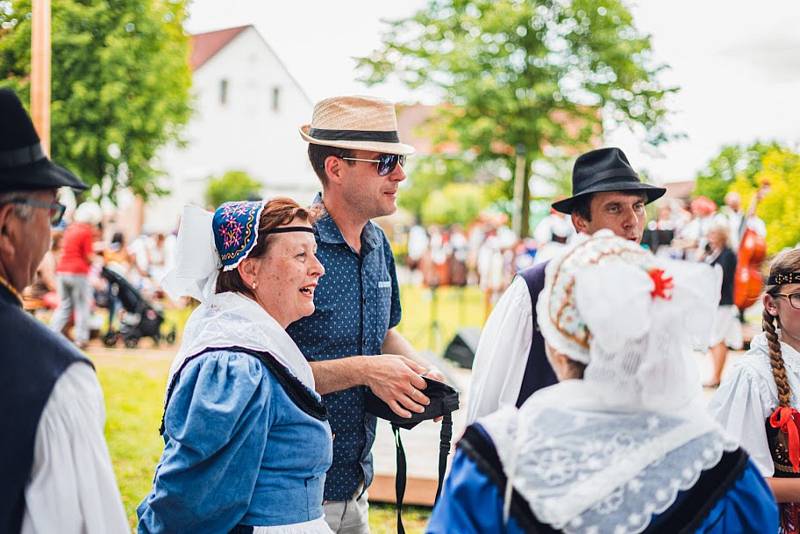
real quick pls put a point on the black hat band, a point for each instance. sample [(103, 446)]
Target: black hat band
[(620, 172), (354, 135), (19, 157)]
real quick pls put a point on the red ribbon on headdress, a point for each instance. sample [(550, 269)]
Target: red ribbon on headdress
[(784, 418), (661, 284)]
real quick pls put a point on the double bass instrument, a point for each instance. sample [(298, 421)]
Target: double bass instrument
[(748, 281)]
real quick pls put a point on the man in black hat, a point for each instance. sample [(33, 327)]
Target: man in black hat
[(510, 362), (55, 472)]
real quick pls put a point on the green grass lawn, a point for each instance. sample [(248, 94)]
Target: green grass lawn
[(452, 308), (134, 383), (134, 392)]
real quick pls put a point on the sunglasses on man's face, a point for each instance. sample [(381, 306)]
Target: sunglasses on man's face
[(386, 162), (56, 210)]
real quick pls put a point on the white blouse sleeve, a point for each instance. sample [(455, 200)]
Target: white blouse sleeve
[(742, 406), (502, 353), (72, 487)]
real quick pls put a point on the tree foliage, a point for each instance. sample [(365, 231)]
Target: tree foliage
[(429, 174), (732, 163), (455, 203), (120, 84), (523, 74), (780, 168), (233, 185)]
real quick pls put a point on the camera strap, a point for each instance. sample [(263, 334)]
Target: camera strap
[(445, 437)]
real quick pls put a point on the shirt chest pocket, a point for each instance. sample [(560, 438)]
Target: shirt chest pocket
[(383, 302)]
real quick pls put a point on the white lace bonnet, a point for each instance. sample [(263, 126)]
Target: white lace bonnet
[(630, 317)]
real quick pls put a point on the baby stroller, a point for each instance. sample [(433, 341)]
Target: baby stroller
[(141, 318)]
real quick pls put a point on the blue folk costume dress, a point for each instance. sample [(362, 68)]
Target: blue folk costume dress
[(629, 448), (247, 442)]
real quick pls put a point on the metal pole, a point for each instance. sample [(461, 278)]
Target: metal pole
[(40, 71)]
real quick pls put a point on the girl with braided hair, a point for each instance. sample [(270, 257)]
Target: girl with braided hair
[(757, 402)]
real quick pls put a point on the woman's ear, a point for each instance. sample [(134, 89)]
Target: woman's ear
[(557, 361), (248, 271), (770, 305)]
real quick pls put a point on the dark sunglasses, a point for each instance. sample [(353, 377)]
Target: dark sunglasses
[(56, 210), (386, 162)]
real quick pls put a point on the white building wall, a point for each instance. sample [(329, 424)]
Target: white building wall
[(243, 133)]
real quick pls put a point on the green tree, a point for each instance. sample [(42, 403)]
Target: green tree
[(732, 162), (453, 204), (524, 73), (780, 168), (429, 174), (233, 185), (120, 84)]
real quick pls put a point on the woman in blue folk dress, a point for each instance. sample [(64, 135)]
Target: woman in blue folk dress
[(623, 443), (247, 443)]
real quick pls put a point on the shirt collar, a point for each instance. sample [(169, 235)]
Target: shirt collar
[(329, 232)]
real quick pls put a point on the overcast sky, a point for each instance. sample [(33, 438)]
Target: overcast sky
[(737, 63)]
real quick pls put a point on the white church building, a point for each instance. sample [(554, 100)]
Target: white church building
[(247, 111)]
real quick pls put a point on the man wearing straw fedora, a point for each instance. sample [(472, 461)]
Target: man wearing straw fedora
[(351, 339), (510, 362), (55, 472)]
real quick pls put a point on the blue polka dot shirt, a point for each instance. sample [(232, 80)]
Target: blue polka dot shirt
[(357, 302)]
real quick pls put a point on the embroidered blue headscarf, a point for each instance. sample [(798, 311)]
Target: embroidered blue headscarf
[(235, 226)]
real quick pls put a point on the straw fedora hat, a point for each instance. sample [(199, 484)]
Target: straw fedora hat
[(355, 122)]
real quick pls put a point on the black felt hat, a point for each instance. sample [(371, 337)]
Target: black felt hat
[(602, 170), (23, 163)]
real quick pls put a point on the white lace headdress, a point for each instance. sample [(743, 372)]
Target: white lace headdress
[(222, 319), (607, 452)]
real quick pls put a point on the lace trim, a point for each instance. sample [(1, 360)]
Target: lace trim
[(587, 483), (638, 520)]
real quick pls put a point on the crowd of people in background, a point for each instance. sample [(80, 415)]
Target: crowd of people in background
[(487, 253), (69, 284)]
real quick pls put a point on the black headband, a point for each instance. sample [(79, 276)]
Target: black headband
[(354, 135), (284, 229), (784, 278)]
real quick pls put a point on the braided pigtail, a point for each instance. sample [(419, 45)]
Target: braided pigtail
[(776, 359), (786, 262)]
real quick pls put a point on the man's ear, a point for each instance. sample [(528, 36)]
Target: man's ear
[(333, 169), (7, 218), (580, 224)]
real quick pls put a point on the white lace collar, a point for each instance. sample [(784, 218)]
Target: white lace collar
[(580, 469), (230, 319)]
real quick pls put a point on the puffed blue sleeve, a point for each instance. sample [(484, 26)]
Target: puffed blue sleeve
[(748, 506), (216, 427), (470, 502)]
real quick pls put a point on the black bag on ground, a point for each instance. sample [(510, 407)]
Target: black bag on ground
[(444, 401)]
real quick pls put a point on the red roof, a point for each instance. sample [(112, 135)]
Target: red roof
[(206, 45)]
